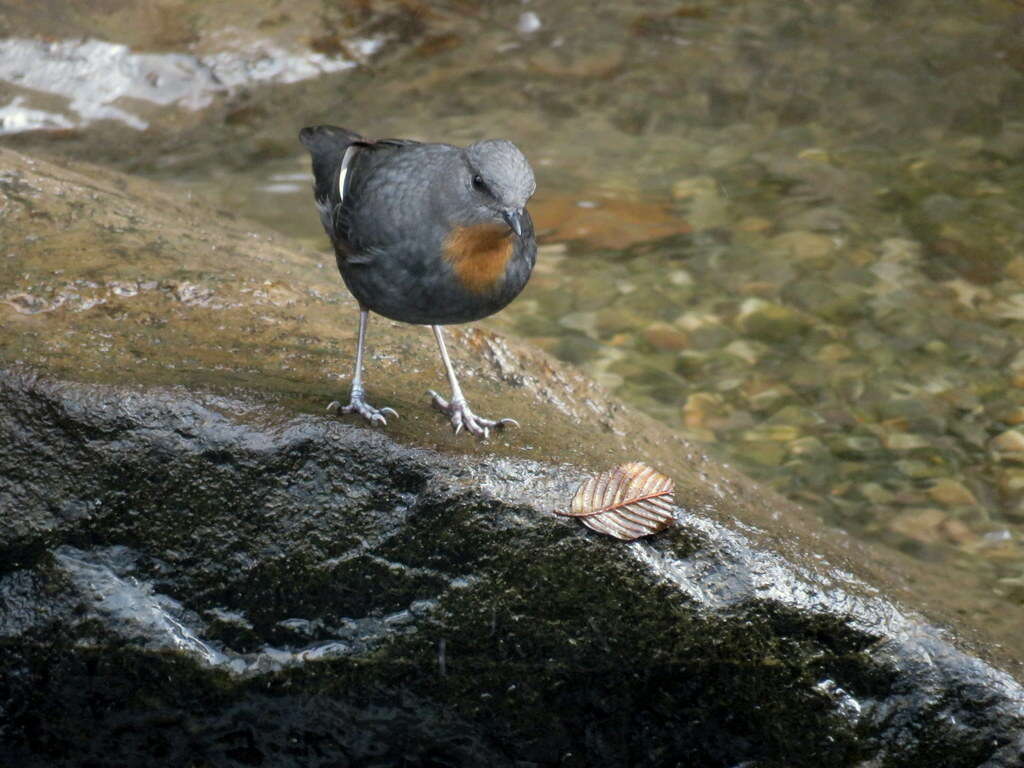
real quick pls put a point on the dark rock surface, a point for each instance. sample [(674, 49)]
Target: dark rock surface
[(187, 582), (199, 568)]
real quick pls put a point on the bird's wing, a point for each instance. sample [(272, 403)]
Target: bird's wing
[(385, 195), (395, 143)]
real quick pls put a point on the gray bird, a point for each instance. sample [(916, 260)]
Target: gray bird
[(430, 234)]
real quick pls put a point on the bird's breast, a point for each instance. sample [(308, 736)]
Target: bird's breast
[(479, 255)]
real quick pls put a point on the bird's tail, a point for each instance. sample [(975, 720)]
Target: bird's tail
[(327, 145)]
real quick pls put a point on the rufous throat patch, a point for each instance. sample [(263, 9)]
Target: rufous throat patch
[(479, 255)]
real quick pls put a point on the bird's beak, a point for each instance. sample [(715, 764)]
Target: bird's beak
[(514, 219)]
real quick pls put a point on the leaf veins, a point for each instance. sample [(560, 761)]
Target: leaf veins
[(627, 502)]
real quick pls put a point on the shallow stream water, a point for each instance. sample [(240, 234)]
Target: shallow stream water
[(792, 230)]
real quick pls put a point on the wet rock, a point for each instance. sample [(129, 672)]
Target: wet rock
[(1008, 308), (999, 545), (951, 493), (931, 525), (680, 278), (797, 416), (691, 362), (833, 353), (705, 330), (618, 318), (584, 322), (1010, 441), (604, 222), (704, 409), (762, 453), (578, 349), (959, 533), (768, 320), (898, 264), (1015, 269), (877, 494), (198, 565), (918, 469), (809, 446), (903, 441), (554, 301), (97, 77), (593, 294), (754, 224), (747, 351), (706, 209), (769, 398), (773, 433), (1013, 415), (855, 446), (1012, 480), (665, 337), (804, 246)]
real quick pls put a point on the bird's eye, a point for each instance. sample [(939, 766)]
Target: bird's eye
[(478, 183)]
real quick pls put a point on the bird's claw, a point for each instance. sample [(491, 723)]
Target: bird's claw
[(462, 417), (358, 405)]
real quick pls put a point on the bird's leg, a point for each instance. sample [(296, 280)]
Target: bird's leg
[(357, 402), (458, 409)]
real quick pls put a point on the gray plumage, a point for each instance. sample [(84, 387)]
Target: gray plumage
[(401, 200), (424, 233)]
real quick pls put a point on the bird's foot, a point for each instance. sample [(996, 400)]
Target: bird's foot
[(357, 404), (461, 417)]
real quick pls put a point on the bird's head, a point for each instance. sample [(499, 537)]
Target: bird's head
[(498, 181)]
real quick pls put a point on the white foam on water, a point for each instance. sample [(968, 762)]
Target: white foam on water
[(100, 79)]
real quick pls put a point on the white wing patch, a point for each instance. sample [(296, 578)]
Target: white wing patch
[(343, 171)]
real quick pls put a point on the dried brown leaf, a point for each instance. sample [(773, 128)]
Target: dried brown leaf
[(627, 502)]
